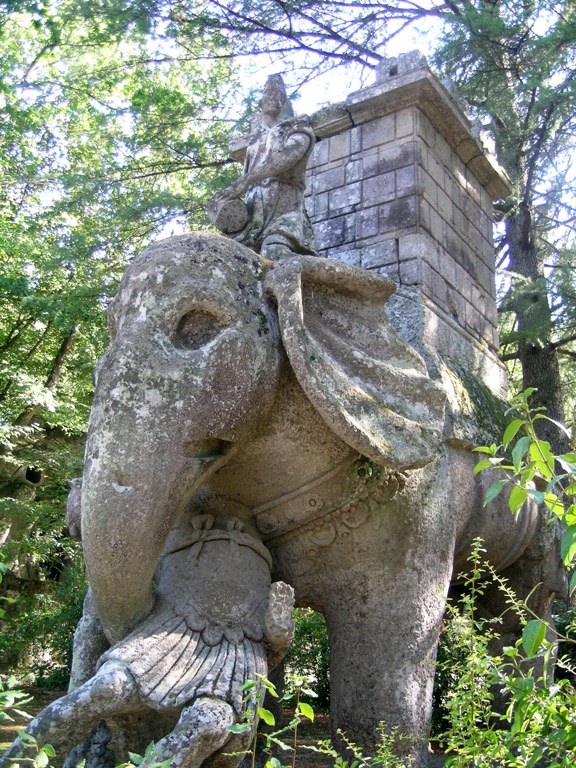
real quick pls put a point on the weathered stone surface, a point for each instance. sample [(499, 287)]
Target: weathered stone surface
[(208, 447), (422, 174)]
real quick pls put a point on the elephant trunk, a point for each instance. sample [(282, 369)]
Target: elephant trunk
[(138, 478)]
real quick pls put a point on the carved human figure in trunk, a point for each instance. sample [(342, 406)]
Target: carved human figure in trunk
[(216, 618)]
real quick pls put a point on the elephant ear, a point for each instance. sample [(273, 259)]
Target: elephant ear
[(371, 387)]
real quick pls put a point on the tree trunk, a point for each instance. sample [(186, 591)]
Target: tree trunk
[(536, 352), (25, 418)]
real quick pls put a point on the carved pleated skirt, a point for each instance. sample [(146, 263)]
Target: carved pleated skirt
[(173, 664)]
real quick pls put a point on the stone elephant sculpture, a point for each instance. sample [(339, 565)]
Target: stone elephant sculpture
[(281, 391)]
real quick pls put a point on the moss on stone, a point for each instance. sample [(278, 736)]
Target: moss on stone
[(479, 416)]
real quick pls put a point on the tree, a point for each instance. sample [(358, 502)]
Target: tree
[(110, 133), (514, 63)]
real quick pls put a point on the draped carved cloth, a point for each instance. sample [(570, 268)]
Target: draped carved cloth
[(204, 635)]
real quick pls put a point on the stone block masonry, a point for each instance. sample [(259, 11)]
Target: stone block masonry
[(399, 184)]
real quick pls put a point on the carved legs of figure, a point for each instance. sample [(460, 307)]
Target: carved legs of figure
[(65, 722), (276, 248), (201, 730)]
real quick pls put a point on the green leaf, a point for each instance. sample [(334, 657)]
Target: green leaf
[(567, 466), (542, 457), (41, 760), (517, 498), (49, 749), (282, 744), (149, 749), (484, 464), (520, 450), (532, 636), (239, 727), (570, 515), (266, 715), (487, 463), (494, 490), (554, 504), (306, 710), (25, 715), (568, 545), (538, 496), (572, 584), (491, 449), (511, 430), (543, 469)]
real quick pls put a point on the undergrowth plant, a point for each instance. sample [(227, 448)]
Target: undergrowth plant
[(284, 740), (529, 466), (539, 726), (254, 694)]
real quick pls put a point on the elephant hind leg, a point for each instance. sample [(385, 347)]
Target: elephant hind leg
[(201, 731), (67, 721)]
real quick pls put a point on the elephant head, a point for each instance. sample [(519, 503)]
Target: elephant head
[(192, 366), (193, 371)]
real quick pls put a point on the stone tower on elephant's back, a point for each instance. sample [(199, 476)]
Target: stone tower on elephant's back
[(401, 182)]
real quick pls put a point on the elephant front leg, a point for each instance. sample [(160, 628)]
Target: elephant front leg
[(383, 632)]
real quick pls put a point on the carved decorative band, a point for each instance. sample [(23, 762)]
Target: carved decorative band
[(336, 502)]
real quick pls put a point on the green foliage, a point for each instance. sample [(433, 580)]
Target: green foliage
[(113, 130), (285, 739), (110, 130), (309, 655), (539, 727), (535, 473), (540, 722), (254, 694), (11, 699), (386, 755), (564, 615), (38, 638)]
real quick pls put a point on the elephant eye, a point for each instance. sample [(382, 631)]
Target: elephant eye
[(196, 328)]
